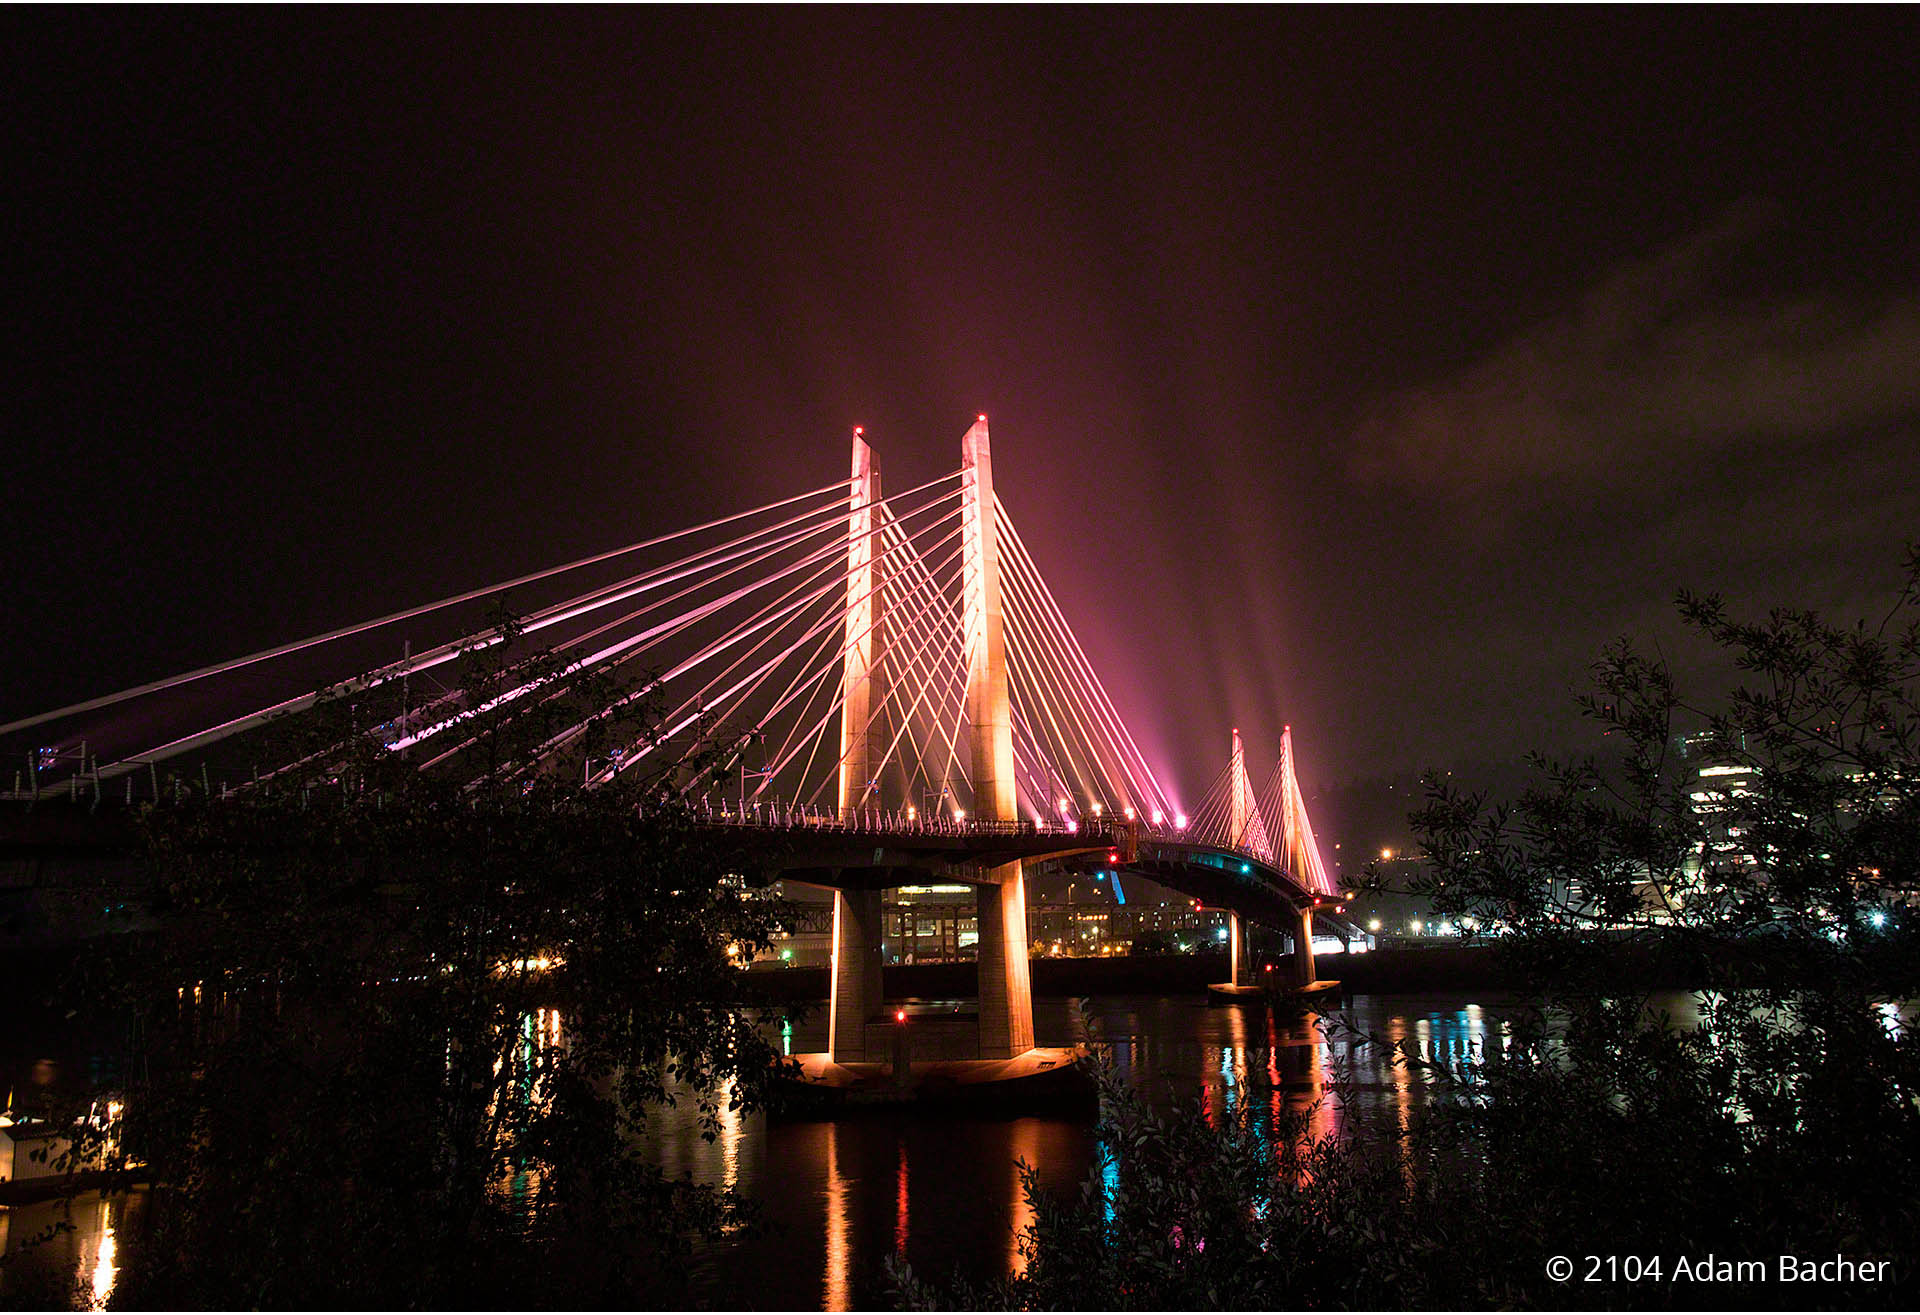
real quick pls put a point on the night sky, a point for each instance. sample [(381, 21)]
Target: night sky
[(1364, 369)]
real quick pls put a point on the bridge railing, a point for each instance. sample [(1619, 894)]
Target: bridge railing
[(896, 821), (1251, 859)]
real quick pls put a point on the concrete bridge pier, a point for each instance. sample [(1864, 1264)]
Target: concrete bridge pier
[(1006, 991), (855, 993), (1006, 995), (1303, 970)]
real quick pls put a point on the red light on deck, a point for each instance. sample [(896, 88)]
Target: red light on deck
[(899, 1015), (1267, 969)]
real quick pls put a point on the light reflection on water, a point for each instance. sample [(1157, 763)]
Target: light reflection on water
[(945, 1191), (76, 1266)]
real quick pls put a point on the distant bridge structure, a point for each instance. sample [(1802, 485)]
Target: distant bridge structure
[(892, 687)]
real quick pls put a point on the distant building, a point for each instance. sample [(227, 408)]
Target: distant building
[(1717, 795)]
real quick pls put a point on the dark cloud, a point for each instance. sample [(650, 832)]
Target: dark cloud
[(1661, 361)]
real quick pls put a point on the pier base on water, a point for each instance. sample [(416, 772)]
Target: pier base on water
[(1229, 993), (1045, 1077)]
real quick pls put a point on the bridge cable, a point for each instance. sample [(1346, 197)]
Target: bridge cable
[(841, 487)]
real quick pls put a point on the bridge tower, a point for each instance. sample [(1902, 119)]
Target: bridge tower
[(1294, 851), (1236, 789), (856, 994), (1006, 993)]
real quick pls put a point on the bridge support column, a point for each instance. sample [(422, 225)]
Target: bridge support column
[(1006, 991), (856, 993), (1239, 803), (1006, 994), (1304, 973), (1235, 953)]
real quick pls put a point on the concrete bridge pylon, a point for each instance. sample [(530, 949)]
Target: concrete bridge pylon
[(855, 993), (1006, 992)]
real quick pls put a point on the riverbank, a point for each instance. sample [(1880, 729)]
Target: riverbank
[(1423, 968), (1392, 969)]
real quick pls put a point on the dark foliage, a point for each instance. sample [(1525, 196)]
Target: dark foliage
[(399, 1038), (1781, 1117)]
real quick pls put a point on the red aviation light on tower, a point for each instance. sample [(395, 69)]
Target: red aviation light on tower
[(983, 417), (859, 431)]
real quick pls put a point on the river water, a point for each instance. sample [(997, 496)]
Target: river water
[(841, 1195)]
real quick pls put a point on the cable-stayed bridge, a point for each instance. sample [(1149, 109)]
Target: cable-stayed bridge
[(877, 688)]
